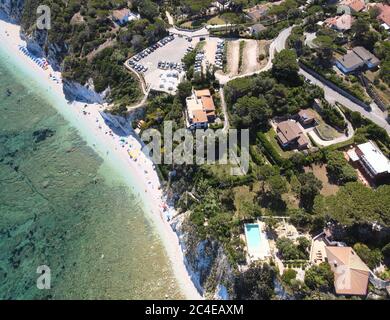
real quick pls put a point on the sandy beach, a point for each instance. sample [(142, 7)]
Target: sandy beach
[(140, 173)]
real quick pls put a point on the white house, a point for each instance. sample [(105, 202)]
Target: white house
[(356, 59), (124, 16)]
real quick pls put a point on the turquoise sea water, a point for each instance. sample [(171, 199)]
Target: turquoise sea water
[(62, 206)]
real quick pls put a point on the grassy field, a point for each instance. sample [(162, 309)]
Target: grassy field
[(326, 132), (320, 172), (216, 20), (187, 24)]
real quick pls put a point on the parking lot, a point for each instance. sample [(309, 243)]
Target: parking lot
[(161, 64)]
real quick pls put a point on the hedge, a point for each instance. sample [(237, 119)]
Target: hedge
[(269, 149)]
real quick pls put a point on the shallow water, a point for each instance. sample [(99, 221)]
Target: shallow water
[(62, 206)]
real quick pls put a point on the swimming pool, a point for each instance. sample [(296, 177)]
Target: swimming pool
[(257, 243)]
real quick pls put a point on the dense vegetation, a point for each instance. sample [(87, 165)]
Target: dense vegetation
[(93, 47), (254, 100), (355, 203)]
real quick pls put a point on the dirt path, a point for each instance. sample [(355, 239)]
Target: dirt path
[(250, 57), (233, 56), (109, 43), (170, 18), (210, 48)]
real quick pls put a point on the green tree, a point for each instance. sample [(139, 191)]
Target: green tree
[(300, 218), (285, 66), (320, 277), (277, 186), (256, 283), (287, 249), (355, 203), (184, 90), (386, 251), (251, 112), (147, 8), (371, 257), (310, 187), (339, 169), (303, 246), (363, 35), (288, 276), (325, 50)]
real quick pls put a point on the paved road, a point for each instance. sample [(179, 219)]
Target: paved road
[(375, 115), (224, 109), (189, 33)]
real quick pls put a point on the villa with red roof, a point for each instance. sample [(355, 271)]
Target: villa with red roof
[(340, 23), (200, 109), (384, 15), (351, 274), (354, 5)]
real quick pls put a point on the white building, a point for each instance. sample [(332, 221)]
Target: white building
[(124, 16), (372, 160)]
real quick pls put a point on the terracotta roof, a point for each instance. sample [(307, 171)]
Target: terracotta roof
[(199, 116), (384, 15), (120, 14), (289, 129), (350, 272), (208, 103), (343, 22), (282, 138), (202, 93), (307, 114), (302, 140), (257, 11), (356, 5)]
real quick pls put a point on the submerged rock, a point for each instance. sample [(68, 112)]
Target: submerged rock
[(42, 134)]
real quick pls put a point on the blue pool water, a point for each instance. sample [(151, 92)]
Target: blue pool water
[(253, 236)]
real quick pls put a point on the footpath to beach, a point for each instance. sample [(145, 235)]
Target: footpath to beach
[(140, 173)]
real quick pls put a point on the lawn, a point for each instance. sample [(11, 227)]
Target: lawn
[(326, 132), (187, 24), (320, 172), (216, 20), (244, 201), (233, 18)]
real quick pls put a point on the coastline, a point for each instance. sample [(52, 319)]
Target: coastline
[(139, 175)]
